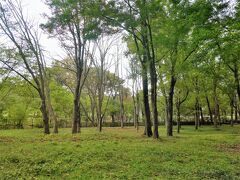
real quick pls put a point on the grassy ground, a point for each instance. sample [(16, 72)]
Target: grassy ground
[(121, 154)]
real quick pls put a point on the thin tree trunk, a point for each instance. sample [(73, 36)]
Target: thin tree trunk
[(92, 112), (76, 110), (209, 109), (178, 118), (232, 111), (170, 107), (197, 114), (153, 78), (236, 76), (148, 126), (219, 115), (138, 110), (52, 115), (134, 105), (215, 103), (154, 100), (122, 109), (44, 114), (166, 111), (99, 110), (100, 125), (202, 117), (236, 110), (113, 118)]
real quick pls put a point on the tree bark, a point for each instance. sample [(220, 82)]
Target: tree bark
[(197, 114), (44, 113), (178, 118), (121, 108), (154, 99), (76, 109), (236, 110), (148, 126), (52, 115), (100, 125), (113, 118), (209, 109), (135, 110), (138, 111), (232, 111), (170, 107), (153, 78), (202, 117), (215, 120), (236, 76)]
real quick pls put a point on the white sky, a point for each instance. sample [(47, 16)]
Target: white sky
[(35, 9)]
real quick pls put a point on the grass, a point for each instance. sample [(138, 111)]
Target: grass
[(120, 154)]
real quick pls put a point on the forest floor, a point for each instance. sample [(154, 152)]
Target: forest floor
[(117, 153)]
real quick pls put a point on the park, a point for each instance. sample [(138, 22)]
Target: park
[(119, 89), (121, 154)]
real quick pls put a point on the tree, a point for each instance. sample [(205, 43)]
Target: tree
[(181, 97), (25, 56), (134, 18), (176, 42), (71, 22)]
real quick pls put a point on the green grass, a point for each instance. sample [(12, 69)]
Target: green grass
[(121, 154)]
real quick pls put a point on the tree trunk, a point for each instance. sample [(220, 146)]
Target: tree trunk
[(236, 76), (76, 110), (154, 99), (148, 126), (209, 109), (113, 118), (100, 118), (121, 109), (79, 122), (76, 115), (178, 118), (138, 111), (232, 111), (99, 112), (236, 110), (92, 112), (170, 107), (52, 115), (216, 108), (166, 111), (55, 120), (196, 114), (153, 78), (100, 125), (219, 115), (45, 114), (202, 117), (135, 109)]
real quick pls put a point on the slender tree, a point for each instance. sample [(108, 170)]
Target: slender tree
[(26, 53)]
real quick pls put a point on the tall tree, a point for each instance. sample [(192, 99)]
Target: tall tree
[(71, 22), (25, 57)]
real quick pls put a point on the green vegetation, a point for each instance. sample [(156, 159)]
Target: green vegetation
[(138, 63), (207, 153)]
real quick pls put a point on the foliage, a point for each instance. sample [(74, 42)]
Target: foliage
[(120, 154)]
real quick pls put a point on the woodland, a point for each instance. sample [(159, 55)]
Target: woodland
[(146, 89)]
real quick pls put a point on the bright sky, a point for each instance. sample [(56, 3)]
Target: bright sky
[(35, 10)]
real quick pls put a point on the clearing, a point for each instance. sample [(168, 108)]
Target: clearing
[(121, 154)]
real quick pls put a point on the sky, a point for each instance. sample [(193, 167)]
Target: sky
[(34, 9)]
